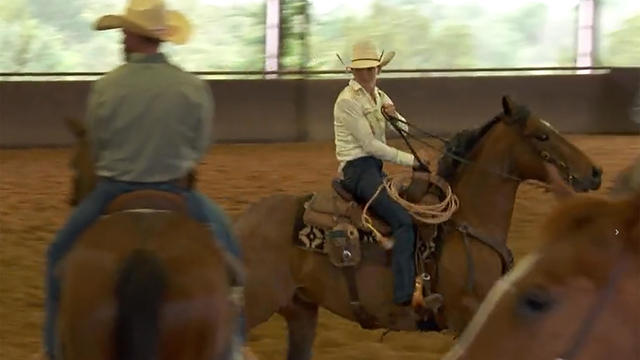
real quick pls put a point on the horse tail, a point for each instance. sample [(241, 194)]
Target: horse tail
[(140, 290)]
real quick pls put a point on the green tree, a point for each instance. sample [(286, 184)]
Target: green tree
[(30, 46), (13, 10), (451, 46), (294, 33), (401, 28), (528, 21), (623, 45), (66, 16)]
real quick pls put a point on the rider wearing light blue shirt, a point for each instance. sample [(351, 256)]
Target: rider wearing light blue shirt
[(149, 124)]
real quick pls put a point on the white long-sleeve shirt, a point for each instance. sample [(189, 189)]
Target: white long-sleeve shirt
[(360, 128)]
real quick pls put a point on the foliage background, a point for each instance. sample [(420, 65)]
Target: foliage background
[(56, 35)]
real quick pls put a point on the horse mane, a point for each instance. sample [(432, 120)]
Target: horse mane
[(460, 145)]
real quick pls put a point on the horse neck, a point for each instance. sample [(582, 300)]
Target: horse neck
[(486, 197)]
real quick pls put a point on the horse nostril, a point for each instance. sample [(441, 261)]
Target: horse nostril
[(597, 172)]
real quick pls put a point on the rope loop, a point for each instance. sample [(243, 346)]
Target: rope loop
[(422, 213)]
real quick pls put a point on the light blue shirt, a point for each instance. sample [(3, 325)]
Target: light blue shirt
[(149, 121)]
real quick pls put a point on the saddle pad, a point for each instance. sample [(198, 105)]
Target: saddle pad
[(313, 238)]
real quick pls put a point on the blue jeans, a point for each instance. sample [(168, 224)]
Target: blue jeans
[(362, 177), (89, 210)]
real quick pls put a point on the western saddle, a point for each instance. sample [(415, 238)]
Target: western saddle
[(339, 215)]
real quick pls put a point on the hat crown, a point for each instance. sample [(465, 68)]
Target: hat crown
[(364, 50), (148, 13), (364, 54), (149, 18)]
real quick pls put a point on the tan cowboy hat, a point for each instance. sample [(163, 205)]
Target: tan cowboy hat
[(149, 18), (364, 54)]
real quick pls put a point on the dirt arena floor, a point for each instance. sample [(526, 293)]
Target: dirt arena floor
[(34, 187)]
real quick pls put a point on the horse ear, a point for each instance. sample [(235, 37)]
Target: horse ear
[(556, 184), (75, 126), (507, 105), (509, 108)]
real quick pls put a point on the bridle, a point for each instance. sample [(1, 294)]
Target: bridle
[(497, 245), (521, 113)]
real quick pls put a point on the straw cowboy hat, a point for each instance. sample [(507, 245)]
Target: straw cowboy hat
[(364, 54), (149, 18)]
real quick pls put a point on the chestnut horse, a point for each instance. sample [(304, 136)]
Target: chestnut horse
[(142, 283), (488, 166), (628, 180), (576, 297)]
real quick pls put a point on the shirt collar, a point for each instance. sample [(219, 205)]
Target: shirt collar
[(147, 58), (357, 87), (353, 84)]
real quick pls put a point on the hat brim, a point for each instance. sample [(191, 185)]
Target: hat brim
[(178, 28), (386, 59), (367, 63)]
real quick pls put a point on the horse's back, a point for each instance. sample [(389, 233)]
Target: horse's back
[(169, 234), (195, 304)]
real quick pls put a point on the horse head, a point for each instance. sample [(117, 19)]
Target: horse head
[(576, 295), (534, 143), (485, 167), (516, 144)]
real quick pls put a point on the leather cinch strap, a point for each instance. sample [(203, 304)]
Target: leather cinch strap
[(366, 320)]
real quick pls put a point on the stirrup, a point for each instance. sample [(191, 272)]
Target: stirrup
[(419, 302)]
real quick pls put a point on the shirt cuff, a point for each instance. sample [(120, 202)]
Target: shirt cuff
[(404, 158)]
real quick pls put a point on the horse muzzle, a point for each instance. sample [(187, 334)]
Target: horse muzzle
[(591, 182)]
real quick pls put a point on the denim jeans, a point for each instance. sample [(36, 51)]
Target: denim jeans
[(362, 177), (89, 210)]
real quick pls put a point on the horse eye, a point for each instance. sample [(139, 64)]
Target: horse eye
[(542, 137), (534, 302)]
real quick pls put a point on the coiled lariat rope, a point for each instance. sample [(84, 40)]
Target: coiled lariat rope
[(424, 213)]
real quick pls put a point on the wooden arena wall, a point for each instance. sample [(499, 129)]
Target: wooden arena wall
[(31, 112)]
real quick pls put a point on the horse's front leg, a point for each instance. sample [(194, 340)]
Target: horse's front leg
[(302, 319)]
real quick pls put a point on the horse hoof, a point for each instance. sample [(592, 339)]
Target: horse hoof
[(427, 325)]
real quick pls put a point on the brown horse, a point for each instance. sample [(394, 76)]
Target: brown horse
[(575, 298), (628, 180), (512, 147), (142, 284)]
